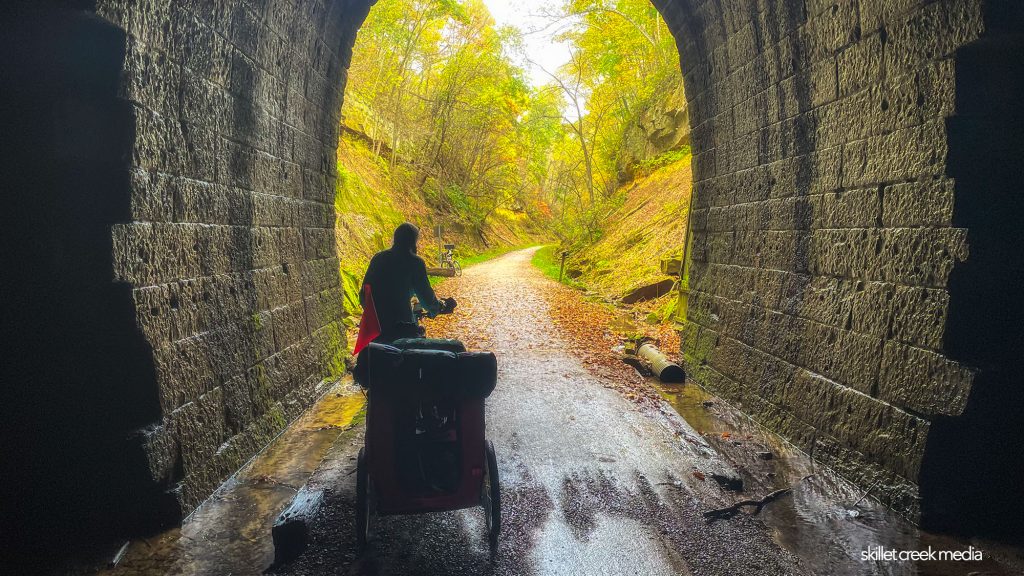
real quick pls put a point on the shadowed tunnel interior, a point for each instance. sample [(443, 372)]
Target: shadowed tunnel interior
[(976, 460), (77, 373), (170, 289)]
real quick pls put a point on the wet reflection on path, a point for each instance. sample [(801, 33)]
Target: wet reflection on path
[(230, 532), (827, 522)]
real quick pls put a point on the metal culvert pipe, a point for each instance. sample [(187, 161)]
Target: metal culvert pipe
[(664, 369)]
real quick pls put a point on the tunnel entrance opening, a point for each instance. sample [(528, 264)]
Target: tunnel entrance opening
[(491, 127)]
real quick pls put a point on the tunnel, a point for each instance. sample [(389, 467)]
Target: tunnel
[(171, 298)]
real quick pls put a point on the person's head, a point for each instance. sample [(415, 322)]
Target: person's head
[(406, 236)]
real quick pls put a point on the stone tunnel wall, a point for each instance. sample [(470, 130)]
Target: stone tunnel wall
[(169, 172), (824, 233), (229, 245)]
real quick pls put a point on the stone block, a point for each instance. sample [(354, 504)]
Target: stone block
[(874, 14), (154, 318), (930, 33), (919, 316), (846, 209), (160, 448), (324, 308), (915, 204), (830, 30), (149, 25), (824, 82), (883, 434), (828, 301), (289, 324), (238, 406), (922, 257), (871, 307), (923, 381), (860, 65), (200, 428)]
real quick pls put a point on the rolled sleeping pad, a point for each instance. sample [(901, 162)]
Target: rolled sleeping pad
[(664, 369), (446, 344)]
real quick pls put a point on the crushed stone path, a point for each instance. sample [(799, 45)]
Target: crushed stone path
[(591, 482)]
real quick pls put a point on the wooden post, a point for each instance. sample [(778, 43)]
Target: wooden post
[(561, 269), (437, 232)]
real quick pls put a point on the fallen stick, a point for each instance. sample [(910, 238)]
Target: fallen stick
[(730, 511), (865, 495)]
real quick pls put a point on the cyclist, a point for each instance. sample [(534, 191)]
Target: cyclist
[(396, 275)]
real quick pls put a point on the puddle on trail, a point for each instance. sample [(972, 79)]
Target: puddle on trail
[(230, 532), (688, 400), (816, 522)]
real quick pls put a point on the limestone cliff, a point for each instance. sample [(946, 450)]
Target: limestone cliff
[(662, 126)]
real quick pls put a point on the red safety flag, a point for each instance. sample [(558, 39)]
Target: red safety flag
[(369, 325)]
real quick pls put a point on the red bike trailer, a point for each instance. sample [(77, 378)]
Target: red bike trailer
[(424, 449)]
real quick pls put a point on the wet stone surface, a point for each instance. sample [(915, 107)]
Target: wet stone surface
[(230, 532), (592, 483)]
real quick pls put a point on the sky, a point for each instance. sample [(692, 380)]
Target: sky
[(540, 47)]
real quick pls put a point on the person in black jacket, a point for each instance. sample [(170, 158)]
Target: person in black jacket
[(396, 275)]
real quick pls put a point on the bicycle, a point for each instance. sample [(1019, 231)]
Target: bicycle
[(448, 259)]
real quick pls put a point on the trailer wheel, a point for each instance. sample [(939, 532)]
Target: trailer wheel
[(490, 497)]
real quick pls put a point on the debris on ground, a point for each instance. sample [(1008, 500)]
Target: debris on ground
[(665, 369), (586, 326), (730, 483), (730, 511), (649, 291)]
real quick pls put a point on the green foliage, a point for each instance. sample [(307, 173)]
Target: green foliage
[(431, 86), (441, 126), (638, 233), (623, 58), (649, 165), (549, 261), (350, 284)]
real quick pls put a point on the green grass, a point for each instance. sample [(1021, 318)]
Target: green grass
[(649, 165), (549, 262)]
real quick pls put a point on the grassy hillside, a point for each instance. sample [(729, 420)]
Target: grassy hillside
[(373, 197), (649, 223)]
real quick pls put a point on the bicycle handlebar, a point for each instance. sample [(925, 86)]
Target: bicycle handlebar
[(447, 307)]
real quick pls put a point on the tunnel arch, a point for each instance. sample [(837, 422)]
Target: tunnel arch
[(839, 243)]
